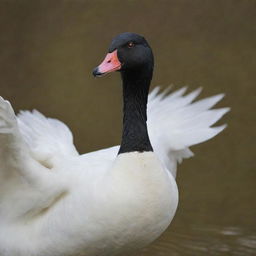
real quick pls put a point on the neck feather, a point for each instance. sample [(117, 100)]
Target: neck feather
[(135, 95)]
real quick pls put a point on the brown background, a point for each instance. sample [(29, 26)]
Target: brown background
[(49, 48)]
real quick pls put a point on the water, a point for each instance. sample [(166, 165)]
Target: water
[(211, 240), (48, 51)]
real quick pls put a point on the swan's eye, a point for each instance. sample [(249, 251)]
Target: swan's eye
[(130, 44)]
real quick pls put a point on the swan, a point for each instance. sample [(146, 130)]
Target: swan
[(56, 202)]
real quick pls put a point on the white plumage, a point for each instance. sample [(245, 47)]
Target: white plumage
[(55, 202), (175, 123)]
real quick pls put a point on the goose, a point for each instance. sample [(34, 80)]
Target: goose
[(56, 202)]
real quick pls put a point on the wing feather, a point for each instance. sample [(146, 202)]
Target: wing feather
[(175, 123), (48, 139)]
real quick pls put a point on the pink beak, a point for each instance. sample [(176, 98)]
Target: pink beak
[(111, 63)]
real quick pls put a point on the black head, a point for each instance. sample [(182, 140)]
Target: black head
[(127, 52)]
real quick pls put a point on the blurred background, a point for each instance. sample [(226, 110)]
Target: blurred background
[(49, 48)]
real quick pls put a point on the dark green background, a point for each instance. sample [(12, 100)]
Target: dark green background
[(49, 48)]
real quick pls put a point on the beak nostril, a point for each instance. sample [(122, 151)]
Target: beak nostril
[(108, 61)]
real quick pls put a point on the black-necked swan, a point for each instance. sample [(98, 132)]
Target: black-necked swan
[(55, 202)]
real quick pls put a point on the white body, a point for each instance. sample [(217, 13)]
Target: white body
[(55, 202)]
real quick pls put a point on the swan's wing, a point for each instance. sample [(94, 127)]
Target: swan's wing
[(26, 186), (13, 150), (175, 123), (48, 139)]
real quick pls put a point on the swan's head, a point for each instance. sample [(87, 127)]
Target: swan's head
[(127, 52)]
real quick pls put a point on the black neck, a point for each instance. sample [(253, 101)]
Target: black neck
[(135, 95)]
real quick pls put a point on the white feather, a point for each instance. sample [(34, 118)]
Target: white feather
[(54, 201), (175, 123), (47, 138)]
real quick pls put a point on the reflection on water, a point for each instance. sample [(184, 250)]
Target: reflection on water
[(199, 241)]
